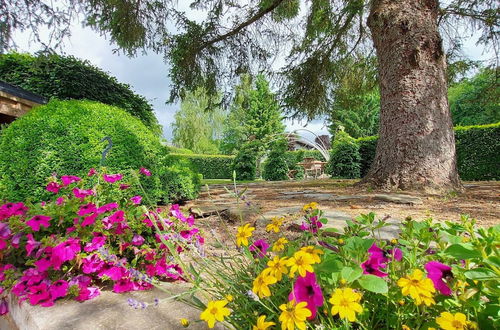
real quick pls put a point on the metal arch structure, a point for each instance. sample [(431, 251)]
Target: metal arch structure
[(318, 146)]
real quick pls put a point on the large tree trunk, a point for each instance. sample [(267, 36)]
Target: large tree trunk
[(416, 146)]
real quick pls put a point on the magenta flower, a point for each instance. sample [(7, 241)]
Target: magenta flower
[(65, 251), (58, 289), (124, 186), (16, 239), (5, 231), (372, 266), (187, 234), (306, 289), (384, 255), (438, 273), (87, 209), (113, 272), (107, 207), (92, 172), (37, 221), (92, 264), (89, 220), (87, 293), (123, 285), (112, 178), (4, 307), (137, 240), (60, 201), (82, 193), (53, 187), (259, 247), (175, 211), (38, 294), (69, 179), (31, 244), (118, 216), (96, 243), (145, 171), (312, 225), (136, 199), (12, 209)]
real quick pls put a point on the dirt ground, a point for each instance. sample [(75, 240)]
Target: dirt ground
[(479, 200)]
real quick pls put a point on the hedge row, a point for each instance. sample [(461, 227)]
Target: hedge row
[(210, 166)]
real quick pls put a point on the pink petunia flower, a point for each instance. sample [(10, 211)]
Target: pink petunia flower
[(112, 178), (259, 247), (38, 294), (136, 199), (87, 293), (60, 201), (306, 289), (4, 307), (92, 264), (118, 216), (16, 239), (107, 207), (175, 211), (5, 231), (439, 273), (92, 172), (113, 272), (82, 193), (58, 289), (187, 234), (89, 220), (96, 243), (69, 179), (145, 171), (65, 251), (12, 209), (137, 240), (123, 285), (124, 186), (53, 187), (37, 221), (31, 244), (373, 266), (87, 209)]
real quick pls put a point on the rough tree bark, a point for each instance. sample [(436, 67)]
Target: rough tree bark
[(416, 146)]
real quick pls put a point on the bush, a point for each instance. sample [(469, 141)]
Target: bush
[(66, 77), (64, 137), (276, 168), (91, 234), (210, 166), (175, 150), (478, 152), (245, 162), (180, 183), (345, 158), (367, 148)]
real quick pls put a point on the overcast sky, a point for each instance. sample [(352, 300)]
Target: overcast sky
[(148, 74)]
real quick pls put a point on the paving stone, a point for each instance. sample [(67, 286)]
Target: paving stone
[(399, 199), (108, 311), (297, 192)]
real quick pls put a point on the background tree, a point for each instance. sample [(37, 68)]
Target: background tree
[(475, 101), (416, 144), (66, 77), (197, 127)]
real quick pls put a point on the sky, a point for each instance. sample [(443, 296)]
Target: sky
[(148, 74)]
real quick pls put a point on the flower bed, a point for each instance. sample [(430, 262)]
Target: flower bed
[(434, 275), (93, 234)]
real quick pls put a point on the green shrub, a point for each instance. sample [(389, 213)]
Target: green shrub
[(276, 168), (210, 166), (64, 137), (478, 152), (344, 158), (175, 150), (245, 162), (180, 183), (67, 77), (367, 147)]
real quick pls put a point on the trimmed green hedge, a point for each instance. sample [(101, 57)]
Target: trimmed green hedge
[(478, 152), (367, 147), (210, 166)]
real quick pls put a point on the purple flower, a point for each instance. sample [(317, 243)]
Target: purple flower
[(87, 209), (4, 307), (4, 230), (65, 251), (69, 179), (438, 273), (124, 186), (112, 178), (92, 264), (31, 244), (306, 289), (107, 207), (372, 266), (118, 216), (96, 243), (137, 240), (58, 289), (145, 171), (53, 187), (37, 221), (89, 220), (16, 239), (136, 199), (82, 193), (259, 247)]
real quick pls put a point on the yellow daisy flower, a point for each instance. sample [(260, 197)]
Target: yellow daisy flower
[(448, 321), (275, 224), (262, 282), (262, 324), (311, 206), (420, 288), (216, 311), (346, 303), (294, 315), (277, 267), (301, 262), (244, 232), (314, 252), (185, 323), (279, 245)]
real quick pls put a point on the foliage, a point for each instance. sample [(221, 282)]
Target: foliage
[(91, 233), (345, 157), (475, 101), (245, 162), (367, 148), (478, 152), (210, 166), (353, 279), (275, 167), (175, 150), (180, 182), (67, 77), (65, 137), (197, 126)]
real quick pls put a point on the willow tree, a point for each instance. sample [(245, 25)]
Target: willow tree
[(416, 144)]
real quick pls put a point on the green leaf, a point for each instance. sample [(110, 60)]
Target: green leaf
[(351, 274), (493, 261), (481, 274), (330, 265), (323, 220), (462, 251), (373, 283)]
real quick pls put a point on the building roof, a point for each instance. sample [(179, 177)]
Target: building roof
[(22, 93)]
